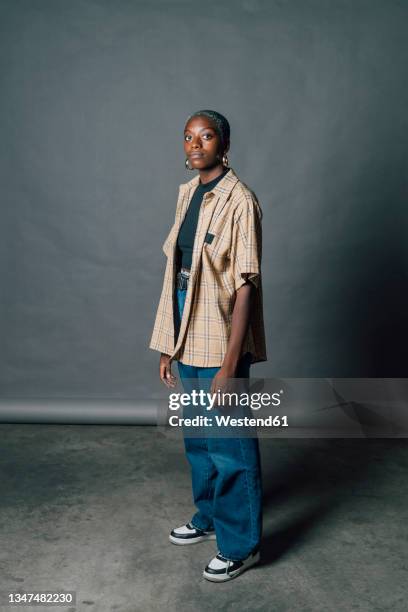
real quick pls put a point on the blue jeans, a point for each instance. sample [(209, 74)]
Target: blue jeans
[(226, 472)]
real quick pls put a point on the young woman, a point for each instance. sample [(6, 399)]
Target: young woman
[(210, 320)]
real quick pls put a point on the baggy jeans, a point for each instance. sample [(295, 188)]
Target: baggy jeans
[(226, 472)]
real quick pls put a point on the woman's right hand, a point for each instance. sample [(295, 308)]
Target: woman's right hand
[(165, 371)]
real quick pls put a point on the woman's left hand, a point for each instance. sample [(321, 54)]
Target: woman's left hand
[(221, 381)]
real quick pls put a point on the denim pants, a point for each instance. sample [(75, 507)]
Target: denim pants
[(226, 472)]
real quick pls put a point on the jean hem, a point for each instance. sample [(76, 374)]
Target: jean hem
[(202, 528), (238, 558)]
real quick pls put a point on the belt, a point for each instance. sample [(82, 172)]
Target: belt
[(182, 278)]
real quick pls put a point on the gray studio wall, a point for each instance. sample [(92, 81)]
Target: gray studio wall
[(94, 95)]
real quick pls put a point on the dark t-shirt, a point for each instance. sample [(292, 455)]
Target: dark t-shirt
[(186, 235)]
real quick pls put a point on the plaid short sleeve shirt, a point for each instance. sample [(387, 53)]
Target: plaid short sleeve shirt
[(227, 251)]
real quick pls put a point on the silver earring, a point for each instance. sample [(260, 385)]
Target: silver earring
[(225, 160), (187, 165)]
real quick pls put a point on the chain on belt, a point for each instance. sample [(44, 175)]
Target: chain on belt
[(182, 278)]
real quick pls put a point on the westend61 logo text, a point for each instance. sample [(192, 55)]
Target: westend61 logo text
[(200, 398)]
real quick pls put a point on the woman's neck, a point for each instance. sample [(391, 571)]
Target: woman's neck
[(206, 176)]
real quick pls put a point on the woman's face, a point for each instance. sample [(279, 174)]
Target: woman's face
[(202, 144)]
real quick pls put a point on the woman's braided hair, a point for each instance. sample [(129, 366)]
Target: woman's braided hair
[(220, 123)]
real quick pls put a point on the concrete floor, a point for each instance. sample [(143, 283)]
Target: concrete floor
[(89, 508)]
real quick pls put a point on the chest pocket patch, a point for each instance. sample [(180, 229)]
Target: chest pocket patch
[(209, 237)]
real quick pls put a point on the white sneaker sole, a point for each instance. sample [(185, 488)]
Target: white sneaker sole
[(186, 541), (230, 576)]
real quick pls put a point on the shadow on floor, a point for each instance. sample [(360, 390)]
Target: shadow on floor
[(325, 473)]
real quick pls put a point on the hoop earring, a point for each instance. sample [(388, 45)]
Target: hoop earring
[(225, 160), (186, 165)]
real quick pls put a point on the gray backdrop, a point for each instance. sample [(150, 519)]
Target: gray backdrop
[(94, 96)]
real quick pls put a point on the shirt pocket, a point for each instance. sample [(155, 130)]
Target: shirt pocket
[(215, 249)]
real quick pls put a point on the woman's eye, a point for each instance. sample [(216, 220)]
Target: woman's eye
[(208, 136)]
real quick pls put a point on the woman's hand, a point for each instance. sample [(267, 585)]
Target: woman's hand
[(222, 383), (220, 379), (166, 375)]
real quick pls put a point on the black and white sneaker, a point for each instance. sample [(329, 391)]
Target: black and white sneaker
[(221, 569), (188, 534)]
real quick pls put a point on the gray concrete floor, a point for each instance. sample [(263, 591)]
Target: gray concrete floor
[(89, 508)]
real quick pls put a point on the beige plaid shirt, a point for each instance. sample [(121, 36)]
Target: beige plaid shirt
[(232, 215)]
